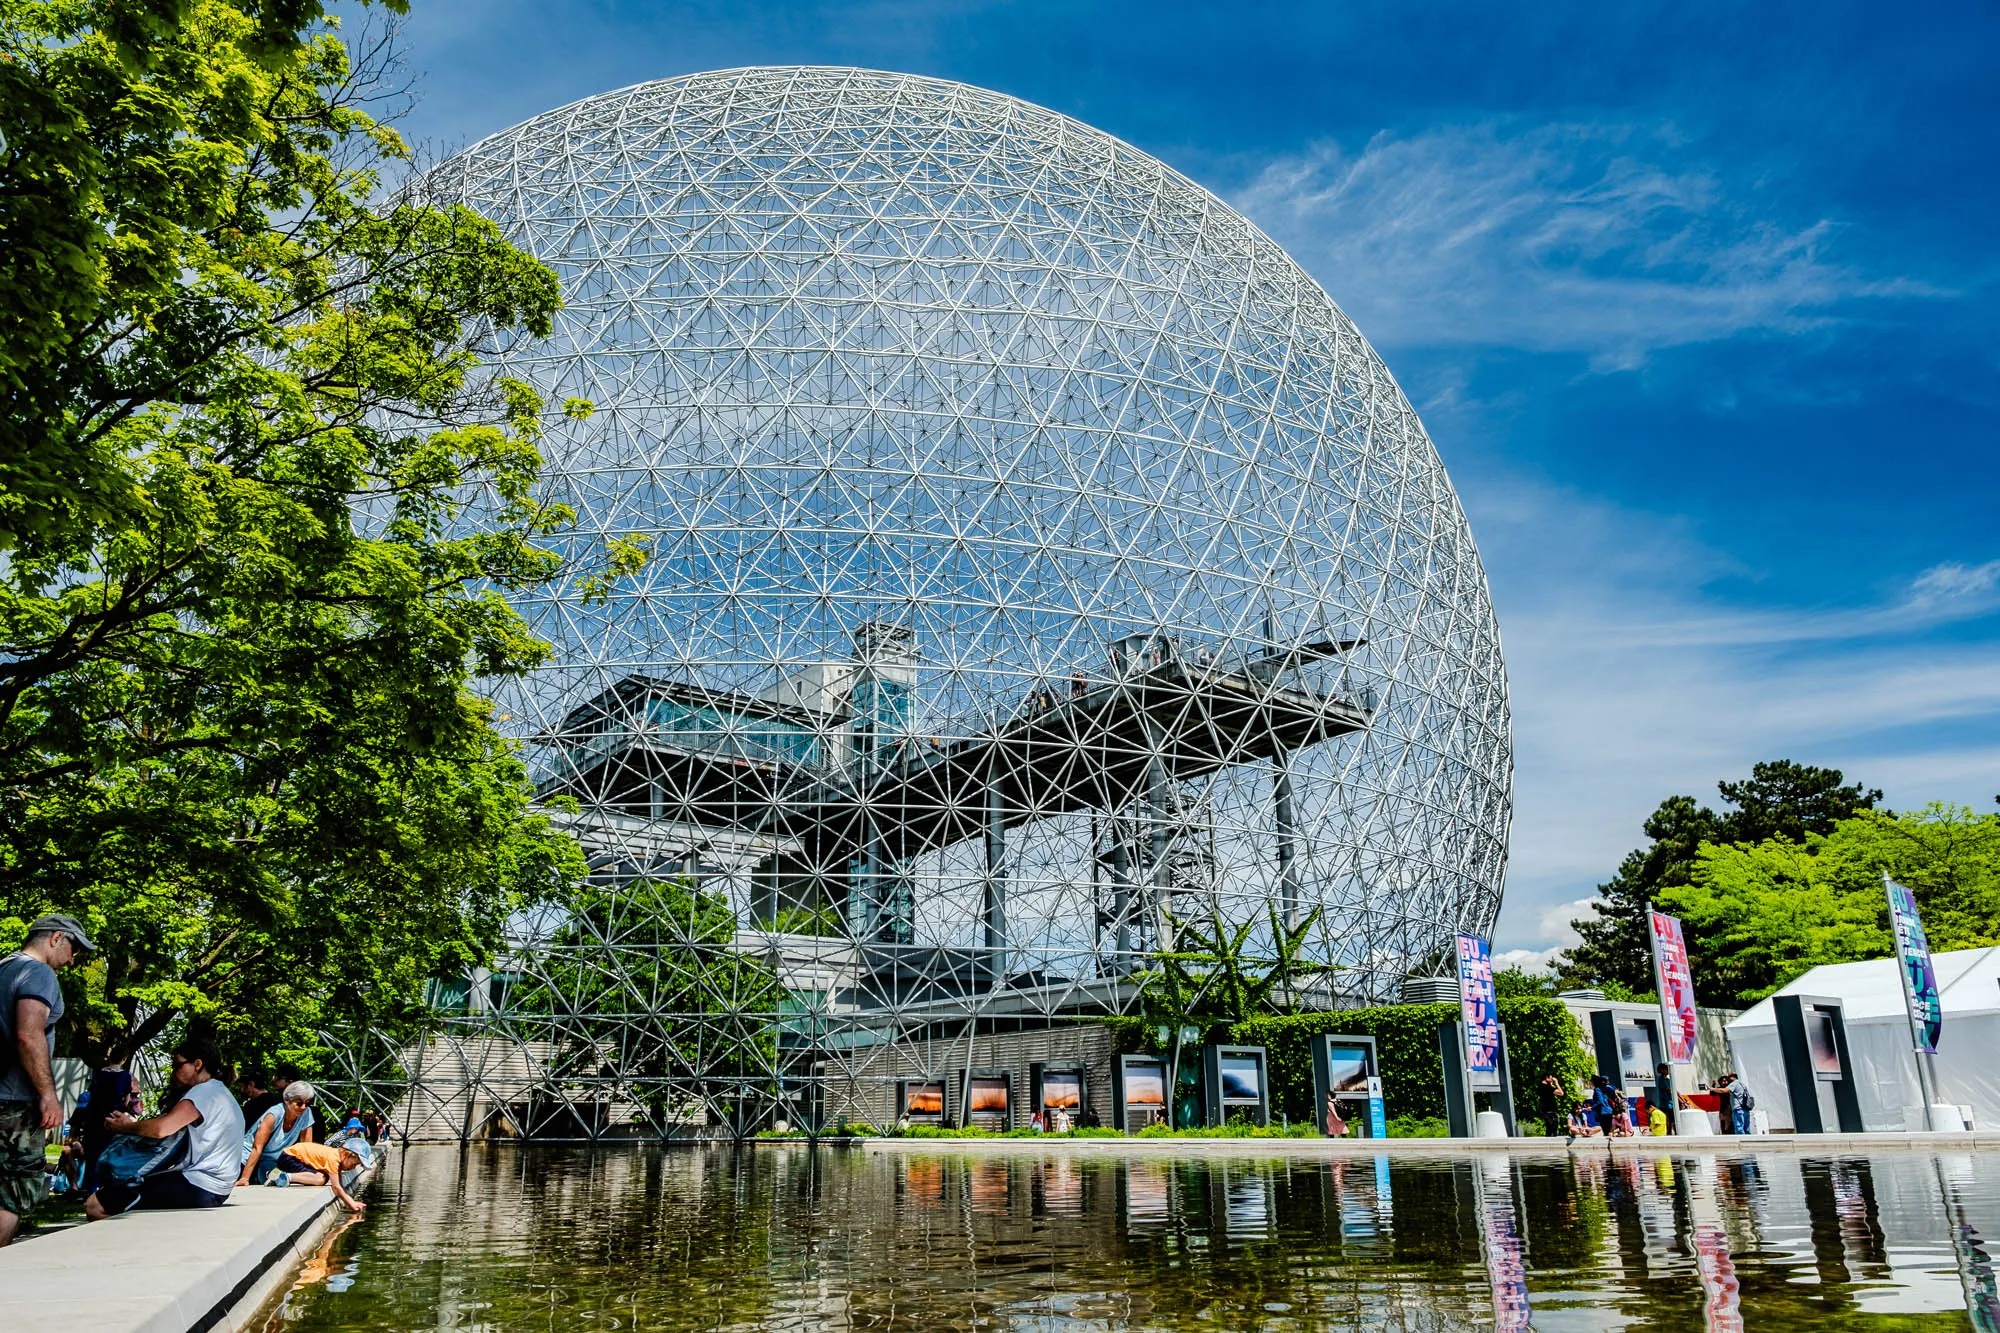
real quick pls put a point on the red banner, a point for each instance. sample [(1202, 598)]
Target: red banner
[(1675, 980)]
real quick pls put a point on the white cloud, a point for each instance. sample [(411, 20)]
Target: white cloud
[(1551, 238), (1528, 960), (1952, 581), (1629, 684)]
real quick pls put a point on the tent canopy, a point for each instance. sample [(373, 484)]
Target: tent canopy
[(1878, 1038)]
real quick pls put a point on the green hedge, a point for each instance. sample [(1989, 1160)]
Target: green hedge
[(1542, 1038)]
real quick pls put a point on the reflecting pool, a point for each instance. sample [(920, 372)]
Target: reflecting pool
[(493, 1238)]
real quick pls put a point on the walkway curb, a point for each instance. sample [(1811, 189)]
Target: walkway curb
[(179, 1271), (1684, 1146)]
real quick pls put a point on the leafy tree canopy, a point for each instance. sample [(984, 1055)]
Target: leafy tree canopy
[(259, 509), (1760, 914), (1780, 799)]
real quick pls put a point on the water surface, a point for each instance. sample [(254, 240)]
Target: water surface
[(501, 1238)]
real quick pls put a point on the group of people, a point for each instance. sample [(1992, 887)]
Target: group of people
[(1606, 1110), (1058, 1120), (199, 1145)]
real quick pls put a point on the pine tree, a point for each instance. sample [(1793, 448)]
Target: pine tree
[(1779, 799)]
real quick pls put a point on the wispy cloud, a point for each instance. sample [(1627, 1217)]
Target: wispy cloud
[(1629, 683), (1562, 237)]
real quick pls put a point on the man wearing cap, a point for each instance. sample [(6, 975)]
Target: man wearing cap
[(31, 1004)]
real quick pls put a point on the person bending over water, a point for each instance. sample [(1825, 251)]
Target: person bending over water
[(320, 1164)]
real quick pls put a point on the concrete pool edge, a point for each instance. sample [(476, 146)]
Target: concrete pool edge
[(181, 1271), (1313, 1148)]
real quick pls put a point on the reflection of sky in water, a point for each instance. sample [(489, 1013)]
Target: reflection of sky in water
[(1220, 1236)]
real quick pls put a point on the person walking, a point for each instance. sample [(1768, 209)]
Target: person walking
[(31, 1005)]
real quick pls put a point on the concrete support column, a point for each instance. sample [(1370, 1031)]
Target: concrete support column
[(993, 911), (1287, 829)]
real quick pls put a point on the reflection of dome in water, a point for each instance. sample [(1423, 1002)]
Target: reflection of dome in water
[(1039, 556)]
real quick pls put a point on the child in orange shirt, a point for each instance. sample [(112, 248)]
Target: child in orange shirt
[(317, 1164)]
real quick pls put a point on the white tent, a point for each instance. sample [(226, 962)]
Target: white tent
[(1878, 1039)]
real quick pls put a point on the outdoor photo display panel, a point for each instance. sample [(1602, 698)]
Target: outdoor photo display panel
[(1141, 1091), (1242, 1079), (1823, 1045), (1347, 1070), (1062, 1090), (1638, 1057), (923, 1102)]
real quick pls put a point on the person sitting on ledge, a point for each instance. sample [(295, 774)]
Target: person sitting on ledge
[(198, 1102), (322, 1164), (276, 1130)]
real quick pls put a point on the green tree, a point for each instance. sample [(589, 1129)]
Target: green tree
[(259, 510), (1511, 983), (1759, 915), (645, 978), (1779, 799)]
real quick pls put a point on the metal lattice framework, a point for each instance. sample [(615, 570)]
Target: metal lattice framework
[(1039, 559)]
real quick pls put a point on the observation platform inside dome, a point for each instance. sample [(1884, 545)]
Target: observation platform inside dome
[(828, 786)]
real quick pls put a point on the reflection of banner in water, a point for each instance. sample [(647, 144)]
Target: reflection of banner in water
[(1975, 1266), (1722, 1302), (1500, 1234), (1722, 1294)]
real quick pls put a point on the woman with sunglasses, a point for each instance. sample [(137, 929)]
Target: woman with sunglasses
[(201, 1104)]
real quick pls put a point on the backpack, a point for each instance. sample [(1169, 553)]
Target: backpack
[(130, 1159), (1749, 1100)]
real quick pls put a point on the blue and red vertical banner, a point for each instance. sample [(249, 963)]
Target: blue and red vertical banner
[(1674, 977), (1479, 1005), (1913, 951)]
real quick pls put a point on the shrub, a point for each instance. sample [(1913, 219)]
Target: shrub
[(1542, 1038)]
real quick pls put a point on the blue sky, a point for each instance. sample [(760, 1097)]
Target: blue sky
[(1698, 302)]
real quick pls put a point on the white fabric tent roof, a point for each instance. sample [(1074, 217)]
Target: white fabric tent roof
[(1878, 1038)]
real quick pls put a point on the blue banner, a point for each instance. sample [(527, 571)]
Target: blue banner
[(1479, 1005), (1913, 951)]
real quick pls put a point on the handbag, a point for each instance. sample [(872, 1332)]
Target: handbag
[(131, 1158)]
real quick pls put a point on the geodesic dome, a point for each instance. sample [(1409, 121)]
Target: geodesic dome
[(1039, 559)]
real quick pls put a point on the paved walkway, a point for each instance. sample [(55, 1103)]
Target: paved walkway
[(159, 1272)]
